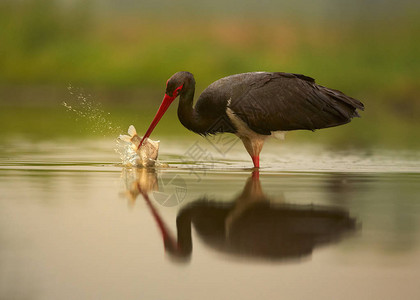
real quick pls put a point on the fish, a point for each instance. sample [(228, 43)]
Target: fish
[(138, 181), (131, 155)]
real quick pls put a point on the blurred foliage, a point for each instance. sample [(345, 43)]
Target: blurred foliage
[(54, 43)]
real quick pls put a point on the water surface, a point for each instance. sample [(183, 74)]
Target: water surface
[(318, 224)]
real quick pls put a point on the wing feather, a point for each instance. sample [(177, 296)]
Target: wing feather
[(285, 101)]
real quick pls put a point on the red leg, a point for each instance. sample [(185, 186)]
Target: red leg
[(256, 161), (254, 146), (256, 174)]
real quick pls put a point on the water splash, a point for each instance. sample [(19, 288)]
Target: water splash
[(131, 155), (128, 155), (130, 158), (90, 111)]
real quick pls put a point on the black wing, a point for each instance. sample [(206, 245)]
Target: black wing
[(284, 101)]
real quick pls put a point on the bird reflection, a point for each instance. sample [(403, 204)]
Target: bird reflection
[(252, 226)]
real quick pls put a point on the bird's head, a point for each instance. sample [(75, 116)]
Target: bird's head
[(174, 86)]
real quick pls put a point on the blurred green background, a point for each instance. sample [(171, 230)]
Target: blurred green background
[(119, 54)]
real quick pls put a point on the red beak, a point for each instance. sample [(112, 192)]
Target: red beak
[(167, 100)]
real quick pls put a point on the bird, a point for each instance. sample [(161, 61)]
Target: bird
[(251, 225), (255, 106)]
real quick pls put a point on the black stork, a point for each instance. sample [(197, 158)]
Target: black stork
[(252, 225), (256, 105)]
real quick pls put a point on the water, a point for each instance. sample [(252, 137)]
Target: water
[(314, 224), (85, 108)]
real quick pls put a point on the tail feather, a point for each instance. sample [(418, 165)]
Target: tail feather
[(356, 104), (345, 106)]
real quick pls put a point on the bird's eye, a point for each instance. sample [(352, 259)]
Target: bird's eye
[(176, 92)]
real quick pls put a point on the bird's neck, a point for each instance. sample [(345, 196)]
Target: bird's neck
[(186, 112), (183, 225)]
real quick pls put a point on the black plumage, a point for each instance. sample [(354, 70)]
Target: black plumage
[(253, 105), (269, 102)]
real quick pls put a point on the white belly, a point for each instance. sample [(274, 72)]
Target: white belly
[(252, 140), (243, 129)]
